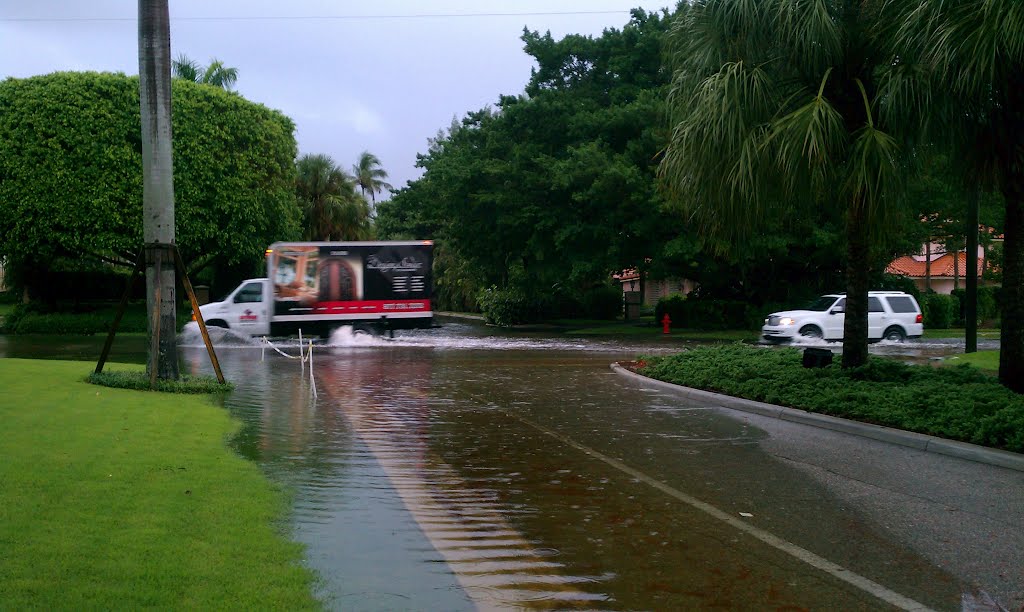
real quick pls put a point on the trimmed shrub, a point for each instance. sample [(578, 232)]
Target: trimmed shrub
[(505, 307), (988, 303), (672, 305), (698, 313), (960, 403), (940, 311), (601, 302), (139, 381)]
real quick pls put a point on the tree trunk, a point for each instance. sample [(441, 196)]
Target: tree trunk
[(928, 265), (157, 183), (1011, 338), (971, 274), (855, 327), (956, 268)]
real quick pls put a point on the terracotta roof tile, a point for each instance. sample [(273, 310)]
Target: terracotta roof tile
[(941, 267)]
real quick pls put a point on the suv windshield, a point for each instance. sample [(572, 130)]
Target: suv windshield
[(821, 304)]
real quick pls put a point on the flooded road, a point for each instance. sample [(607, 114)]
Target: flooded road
[(459, 469), (466, 469)]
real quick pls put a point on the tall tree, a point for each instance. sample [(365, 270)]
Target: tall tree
[(158, 182), (216, 73), (370, 176), (774, 108), (333, 209), (972, 100)]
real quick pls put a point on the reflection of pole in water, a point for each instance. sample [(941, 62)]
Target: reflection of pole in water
[(495, 564)]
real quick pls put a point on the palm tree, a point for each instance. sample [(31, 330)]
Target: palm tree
[(333, 209), (774, 109), (961, 67), (216, 74), (370, 176), (157, 182)]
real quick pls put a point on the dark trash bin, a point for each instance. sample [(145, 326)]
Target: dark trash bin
[(817, 358)]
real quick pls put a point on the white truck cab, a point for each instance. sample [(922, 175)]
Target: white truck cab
[(247, 309)]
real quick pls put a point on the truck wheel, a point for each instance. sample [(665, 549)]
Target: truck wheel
[(894, 334), (811, 331)]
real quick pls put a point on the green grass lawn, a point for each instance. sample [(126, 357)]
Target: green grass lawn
[(987, 333), (983, 360), (115, 499)]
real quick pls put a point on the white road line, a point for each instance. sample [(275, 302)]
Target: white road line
[(865, 584)]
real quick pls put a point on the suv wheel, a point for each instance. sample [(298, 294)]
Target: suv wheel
[(894, 334), (811, 331)]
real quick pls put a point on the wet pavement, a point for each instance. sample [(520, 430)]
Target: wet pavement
[(463, 468)]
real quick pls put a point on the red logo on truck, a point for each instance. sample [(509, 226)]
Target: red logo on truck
[(248, 315)]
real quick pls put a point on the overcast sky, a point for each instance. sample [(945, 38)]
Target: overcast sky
[(382, 76)]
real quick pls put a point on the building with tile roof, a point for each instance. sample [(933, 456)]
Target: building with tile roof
[(947, 269)]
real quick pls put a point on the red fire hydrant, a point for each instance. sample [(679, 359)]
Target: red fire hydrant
[(665, 324)]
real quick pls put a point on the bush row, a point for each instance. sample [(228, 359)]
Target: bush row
[(81, 319), (513, 305), (940, 311), (139, 381), (959, 403), (988, 303), (713, 314)]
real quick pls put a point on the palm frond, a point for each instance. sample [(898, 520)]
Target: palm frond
[(806, 142), (813, 34), (872, 172), (185, 68)]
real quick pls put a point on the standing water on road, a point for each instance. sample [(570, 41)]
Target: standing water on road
[(463, 468)]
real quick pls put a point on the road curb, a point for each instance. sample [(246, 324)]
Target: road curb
[(922, 442)]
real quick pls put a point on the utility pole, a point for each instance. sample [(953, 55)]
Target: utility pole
[(158, 185)]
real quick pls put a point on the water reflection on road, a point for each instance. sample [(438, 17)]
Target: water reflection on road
[(459, 469)]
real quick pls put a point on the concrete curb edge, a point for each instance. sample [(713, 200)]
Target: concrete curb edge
[(930, 444)]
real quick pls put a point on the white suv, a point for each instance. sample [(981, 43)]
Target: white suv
[(892, 315)]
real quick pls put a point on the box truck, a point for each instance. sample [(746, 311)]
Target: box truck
[(317, 287)]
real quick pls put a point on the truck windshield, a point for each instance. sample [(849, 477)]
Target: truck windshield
[(822, 304)]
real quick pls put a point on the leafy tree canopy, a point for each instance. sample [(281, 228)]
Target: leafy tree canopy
[(556, 189), (71, 174)]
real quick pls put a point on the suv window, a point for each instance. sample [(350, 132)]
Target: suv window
[(875, 305), (902, 303), (253, 292), (821, 304)]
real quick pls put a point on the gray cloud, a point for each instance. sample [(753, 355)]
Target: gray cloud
[(365, 82)]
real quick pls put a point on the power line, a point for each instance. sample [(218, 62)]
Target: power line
[(313, 17)]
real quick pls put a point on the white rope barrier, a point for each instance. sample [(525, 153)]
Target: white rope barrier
[(305, 354), (312, 382)]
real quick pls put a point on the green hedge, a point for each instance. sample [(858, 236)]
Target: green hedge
[(960, 403), (139, 381), (506, 307), (711, 314), (81, 319), (514, 305), (988, 304), (601, 302), (940, 311)]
